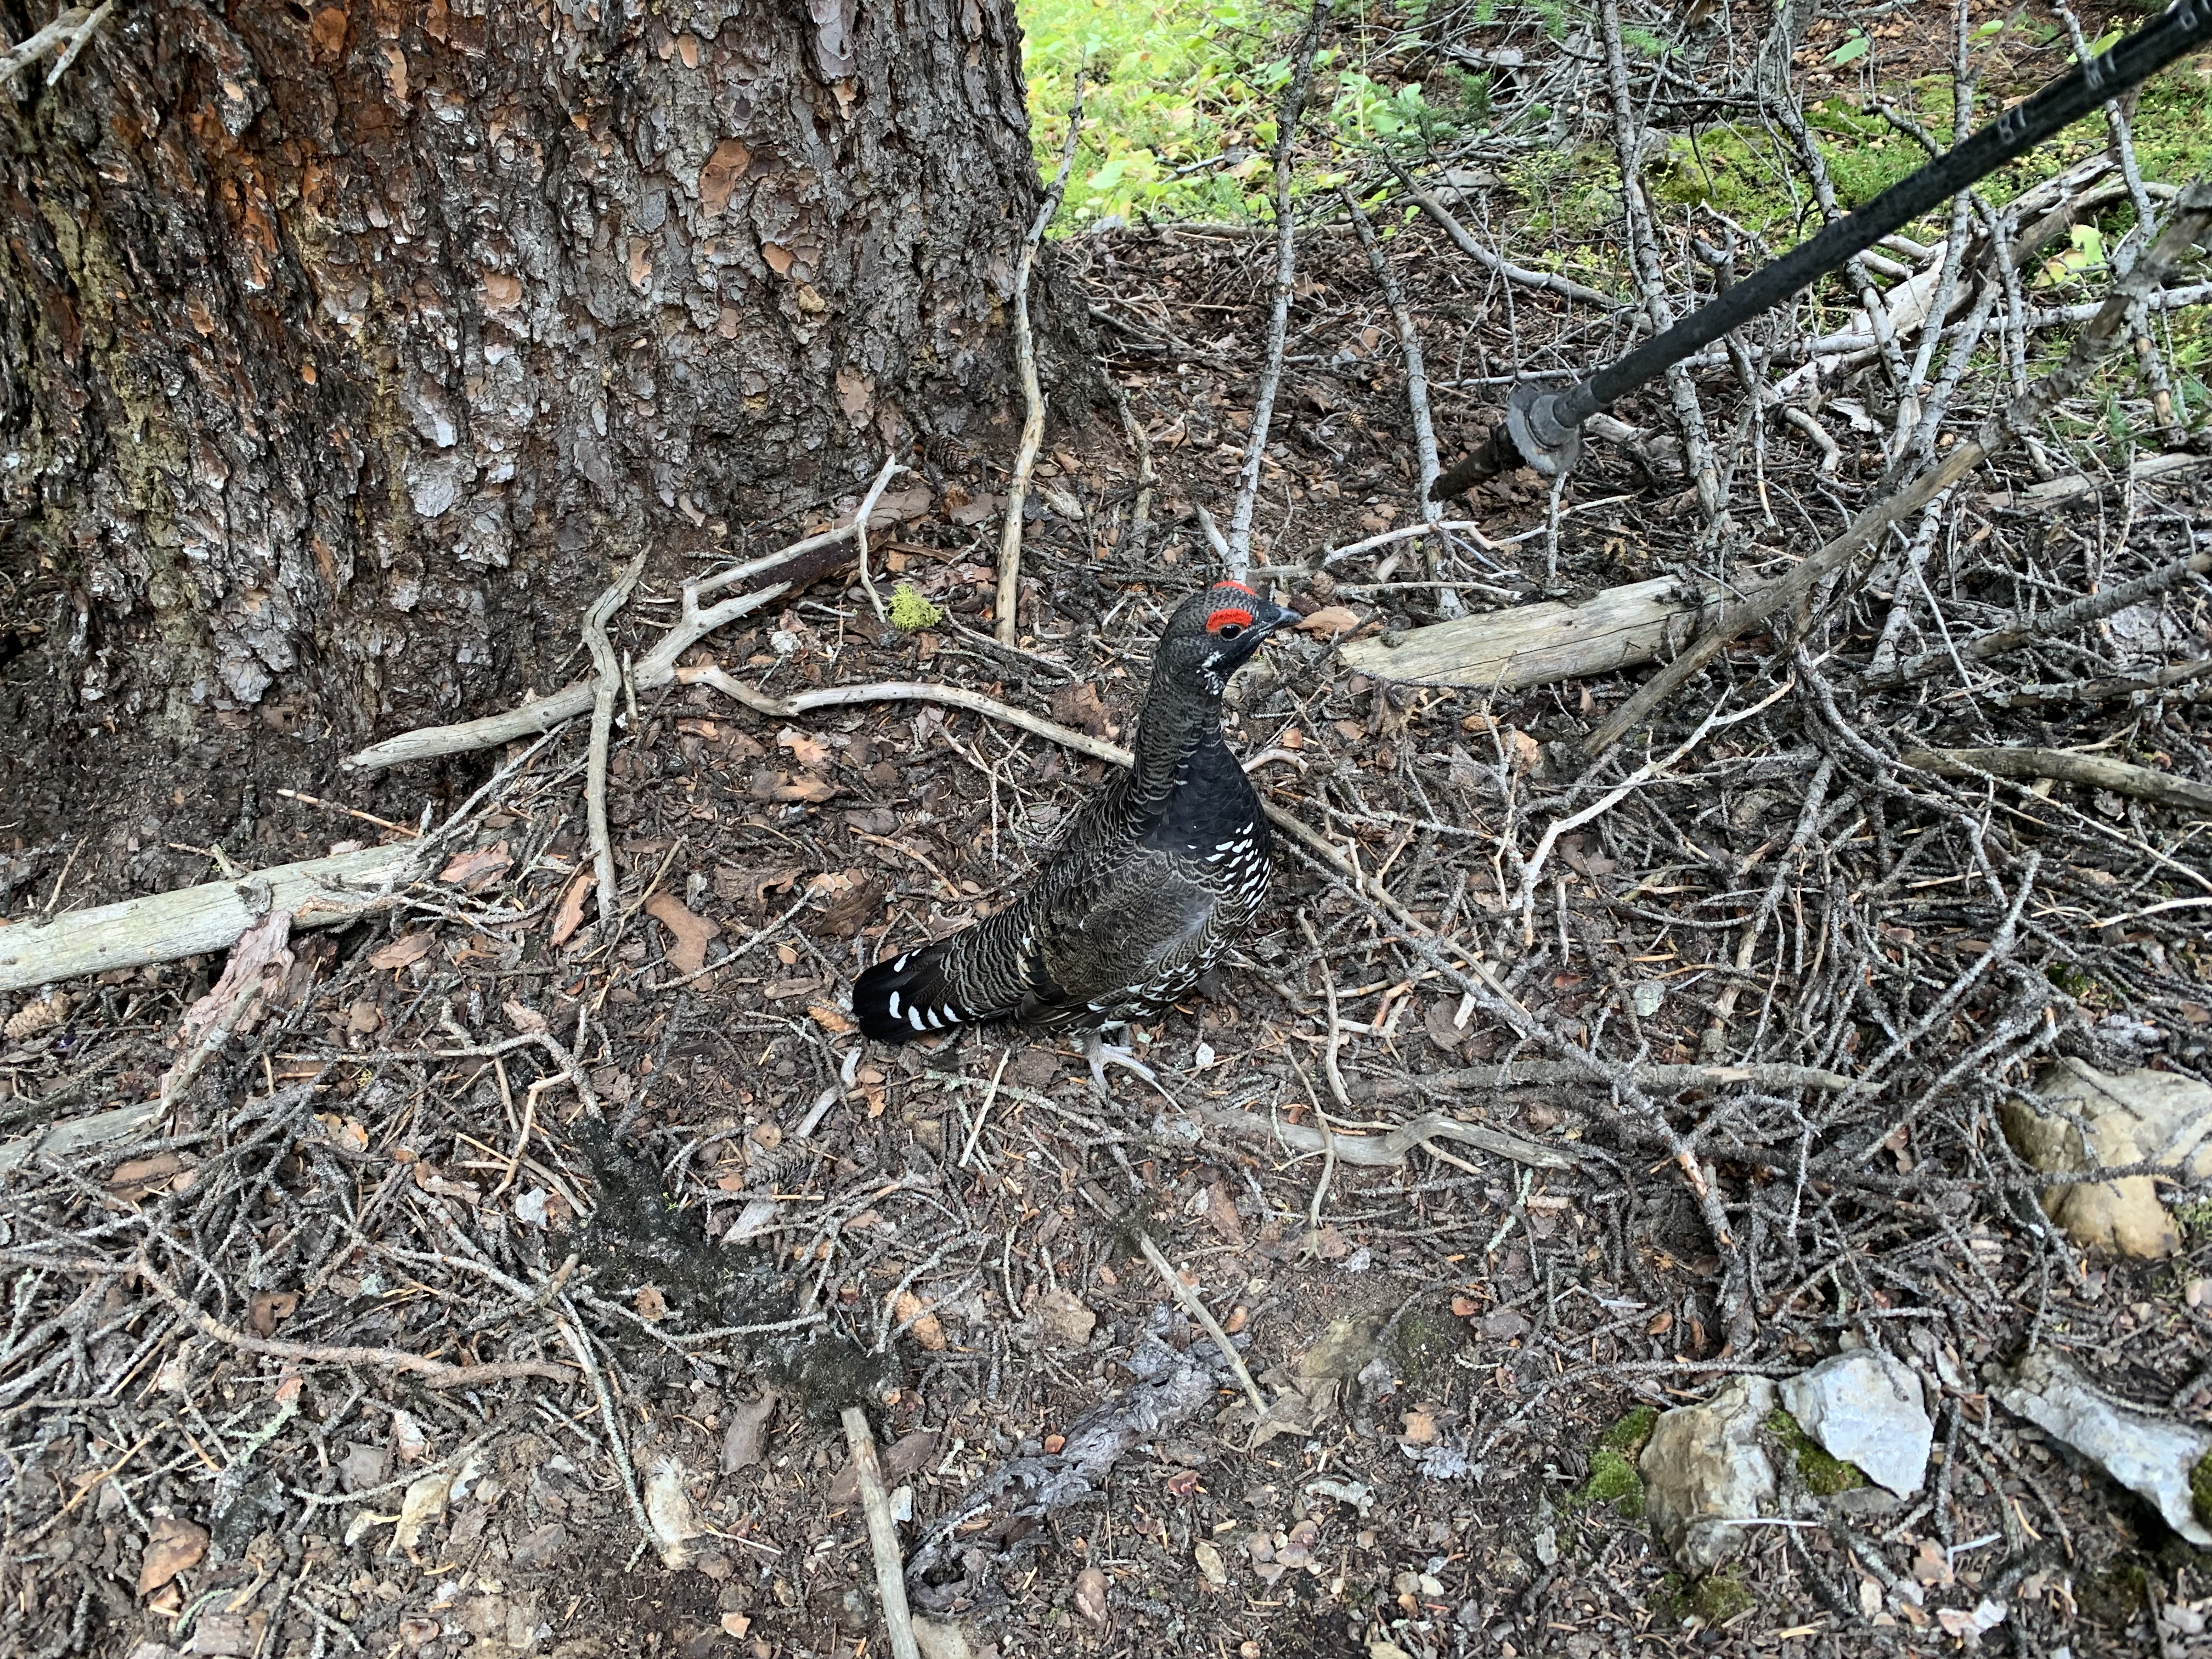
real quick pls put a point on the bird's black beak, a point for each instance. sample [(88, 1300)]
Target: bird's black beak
[(1273, 619)]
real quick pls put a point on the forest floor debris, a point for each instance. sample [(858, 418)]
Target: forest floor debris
[(601, 1158)]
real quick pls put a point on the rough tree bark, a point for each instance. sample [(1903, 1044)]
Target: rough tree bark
[(344, 348)]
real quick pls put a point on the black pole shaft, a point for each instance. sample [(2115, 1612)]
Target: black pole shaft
[(2185, 24)]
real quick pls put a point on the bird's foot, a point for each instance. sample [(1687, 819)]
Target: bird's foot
[(1102, 1054)]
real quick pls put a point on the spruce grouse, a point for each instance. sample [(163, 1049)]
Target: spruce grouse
[(1154, 878)]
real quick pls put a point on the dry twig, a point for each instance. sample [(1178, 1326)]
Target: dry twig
[(1025, 454)]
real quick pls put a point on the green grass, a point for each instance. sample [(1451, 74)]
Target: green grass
[(1179, 118)]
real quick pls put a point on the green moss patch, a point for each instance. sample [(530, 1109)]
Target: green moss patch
[(1612, 1476), (1824, 1476)]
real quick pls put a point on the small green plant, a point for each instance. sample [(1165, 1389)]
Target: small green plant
[(910, 612)]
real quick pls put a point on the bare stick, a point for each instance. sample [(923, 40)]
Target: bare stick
[(435, 1372), (1188, 1300), (951, 696), (2193, 215), (1140, 513), (882, 1534), (891, 470), (1417, 392), (69, 34), (1017, 482), (606, 681), (1644, 260), (793, 567), (1239, 557), (1550, 282), (1382, 1151), (2090, 771), (2093, 608)]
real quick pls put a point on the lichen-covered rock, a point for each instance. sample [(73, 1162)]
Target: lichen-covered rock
[(2092, 1119), (1704, 1469), (1865, 1407)]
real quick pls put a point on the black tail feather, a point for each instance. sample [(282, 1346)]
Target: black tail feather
[(907, 997)]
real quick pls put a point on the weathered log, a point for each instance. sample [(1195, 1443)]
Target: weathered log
[(194, 920), (1531, 644)]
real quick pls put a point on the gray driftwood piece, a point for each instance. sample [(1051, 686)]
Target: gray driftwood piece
[(1533, 644), (194, 920)]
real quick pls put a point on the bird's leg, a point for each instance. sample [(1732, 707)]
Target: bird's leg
[(1101, 1054)]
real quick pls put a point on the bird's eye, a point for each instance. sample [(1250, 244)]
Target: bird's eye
[(1231, 631)]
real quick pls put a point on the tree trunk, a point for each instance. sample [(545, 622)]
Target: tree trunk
[(344, 350)]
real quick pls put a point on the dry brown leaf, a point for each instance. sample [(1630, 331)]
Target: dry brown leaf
[(527, 1021), (408, 947), (141, 1175), (1332, 619), (1420, 1429), (478, 868), (902, 1462), (966, 510), (808, 752), (271, 1308), (1080, 706), (1062, 1317), (832, 1020), (748, 1428), (926, 1328), (1221, 1214), (692, 932), (174, 1544), (651, 1306), (1522, 752), (409, 1443), (570, 916)]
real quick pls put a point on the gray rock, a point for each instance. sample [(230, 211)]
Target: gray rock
[(1704, 1469), (1865, 1407), (2151, 1457)]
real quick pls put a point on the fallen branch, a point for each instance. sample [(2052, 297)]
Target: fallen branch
[(882, 1534), (194, 920), (789, 570), (1550, 281), (2077, 486), (950, 696), (1644, 263), (2090, 771), (2178, 677), (1529, 645), (1417, 394), (2095, 607), (435, 1373), (1381, 1152), (1239, 558), (1017, 482), (1140, 512), (1188, 1299), (2193, 215)]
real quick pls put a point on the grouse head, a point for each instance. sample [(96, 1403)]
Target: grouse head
[(1212, 635)]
